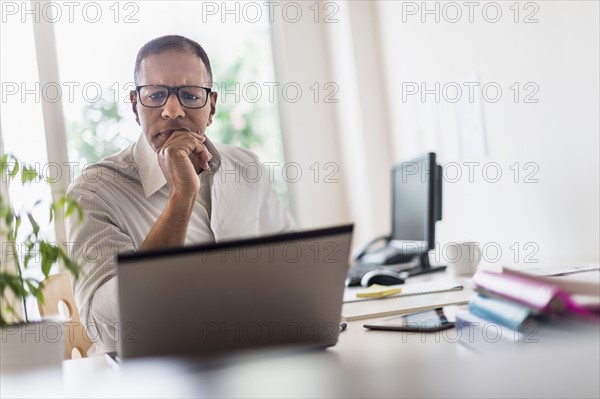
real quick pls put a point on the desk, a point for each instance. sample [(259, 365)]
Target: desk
[(363, 364)]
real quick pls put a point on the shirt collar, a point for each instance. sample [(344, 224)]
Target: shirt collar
[(151, 176)]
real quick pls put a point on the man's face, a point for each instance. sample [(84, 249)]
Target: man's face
[(172, 68)]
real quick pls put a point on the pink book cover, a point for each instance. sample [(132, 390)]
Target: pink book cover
[(541, 297)]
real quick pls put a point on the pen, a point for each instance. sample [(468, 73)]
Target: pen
[(343, 326)]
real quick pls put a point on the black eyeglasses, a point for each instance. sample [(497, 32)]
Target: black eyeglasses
[(155, 96)]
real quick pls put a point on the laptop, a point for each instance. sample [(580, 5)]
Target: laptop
[(279, 290)]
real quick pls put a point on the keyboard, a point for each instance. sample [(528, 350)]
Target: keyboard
[(387, 255)]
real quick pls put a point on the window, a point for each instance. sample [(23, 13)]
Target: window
[(97, 60), (23, 130), (96, 45)]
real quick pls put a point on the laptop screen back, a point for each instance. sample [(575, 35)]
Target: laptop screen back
[(276, 290)]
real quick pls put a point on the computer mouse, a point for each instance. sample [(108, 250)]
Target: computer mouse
[(381, 277)]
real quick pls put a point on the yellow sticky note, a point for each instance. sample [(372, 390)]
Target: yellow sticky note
[(378, 291)]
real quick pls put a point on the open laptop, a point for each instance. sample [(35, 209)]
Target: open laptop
[(210, 299)]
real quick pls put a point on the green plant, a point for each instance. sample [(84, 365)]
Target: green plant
[(15, 256)]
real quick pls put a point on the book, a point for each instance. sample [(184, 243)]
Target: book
[(575, 280), (476, 330), (539, 296), (508, 314)]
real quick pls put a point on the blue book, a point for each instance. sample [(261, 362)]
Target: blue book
[(508, 314), (476, 331)]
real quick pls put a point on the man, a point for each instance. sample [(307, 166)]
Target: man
[(171, 188)]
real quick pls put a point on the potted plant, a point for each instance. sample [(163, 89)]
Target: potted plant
[(27, 343)]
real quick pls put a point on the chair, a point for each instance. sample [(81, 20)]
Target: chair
[(57, 289)]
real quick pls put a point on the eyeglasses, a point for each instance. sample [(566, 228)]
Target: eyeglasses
[(155, 96)]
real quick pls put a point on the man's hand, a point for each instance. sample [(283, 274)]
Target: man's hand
[(181, 158), (176, 159)]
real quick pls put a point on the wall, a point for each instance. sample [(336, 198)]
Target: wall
[(544, 205), (349, 129), (309, 138), (558, 135)]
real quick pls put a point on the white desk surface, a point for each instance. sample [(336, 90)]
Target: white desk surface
[(364, 363)]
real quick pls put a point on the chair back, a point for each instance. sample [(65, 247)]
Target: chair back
[(57, 289)]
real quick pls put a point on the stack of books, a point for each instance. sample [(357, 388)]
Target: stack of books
[(511, 304)]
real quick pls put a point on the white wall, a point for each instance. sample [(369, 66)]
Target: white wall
[(370, 52), (352, 132), (309, 131), (560, 213)]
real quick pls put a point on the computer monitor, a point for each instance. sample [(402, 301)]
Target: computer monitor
[(416, 207)]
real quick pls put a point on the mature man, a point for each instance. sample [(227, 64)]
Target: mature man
[(172, 187)]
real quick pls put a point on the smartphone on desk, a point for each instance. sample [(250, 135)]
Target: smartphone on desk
[(428, 320)]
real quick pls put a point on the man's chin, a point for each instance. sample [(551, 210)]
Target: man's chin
[(158, 140)]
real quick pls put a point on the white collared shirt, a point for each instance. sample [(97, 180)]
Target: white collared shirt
[(122, 197)]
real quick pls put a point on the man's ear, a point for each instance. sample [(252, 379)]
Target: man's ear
[(213, 106), (134, 102)]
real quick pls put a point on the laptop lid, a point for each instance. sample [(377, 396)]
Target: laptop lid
[(282, 289)]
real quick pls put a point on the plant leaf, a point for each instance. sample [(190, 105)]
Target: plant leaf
[(49, 251), (70, 208), (46, 265), (34, 245), (9, 216), (13, 172), (70, 265), (3, 163), (17, 224), (32, 288), (34, 225), (36, 291), (3, 208), (28, 174), (29, 253), (15, 286), (3, 283), (79, 213), (27, 258)]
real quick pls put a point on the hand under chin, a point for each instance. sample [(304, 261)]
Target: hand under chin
[(196, 163)]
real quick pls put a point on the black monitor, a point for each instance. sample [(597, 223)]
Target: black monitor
[(416, 207)]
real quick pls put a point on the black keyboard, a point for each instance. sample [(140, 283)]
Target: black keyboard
[(387, 256)]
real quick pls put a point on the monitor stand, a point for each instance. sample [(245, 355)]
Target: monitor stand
[(423, 266)]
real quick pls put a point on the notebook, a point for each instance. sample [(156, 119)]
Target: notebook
[(414, 297)]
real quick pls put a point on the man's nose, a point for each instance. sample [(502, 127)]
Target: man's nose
[(172, 108)]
